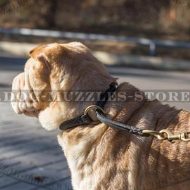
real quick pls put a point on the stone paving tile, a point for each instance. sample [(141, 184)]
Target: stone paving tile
[(44, 172), (61, 185), (19, 186), (5, 180), (31, 144), (11, 152), (37, 158)]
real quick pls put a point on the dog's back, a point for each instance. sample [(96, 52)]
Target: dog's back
[(104, 158)]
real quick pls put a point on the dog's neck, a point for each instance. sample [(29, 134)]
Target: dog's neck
[(61, 109), (80, 144), (81, 86)]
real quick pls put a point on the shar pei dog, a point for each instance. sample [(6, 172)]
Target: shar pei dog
[(101, 157)]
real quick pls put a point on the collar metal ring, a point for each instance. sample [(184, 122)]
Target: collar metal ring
[(91, 112)]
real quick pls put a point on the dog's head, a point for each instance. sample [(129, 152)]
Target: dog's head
[(54, 68)]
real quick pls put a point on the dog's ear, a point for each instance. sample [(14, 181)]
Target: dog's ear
[(49, 53), (46, 56), (46, 59), (40, 70), (37, 72)]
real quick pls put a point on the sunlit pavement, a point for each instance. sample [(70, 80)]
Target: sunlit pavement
[(30, 157)]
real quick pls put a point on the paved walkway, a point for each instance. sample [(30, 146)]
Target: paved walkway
[(30, 157)]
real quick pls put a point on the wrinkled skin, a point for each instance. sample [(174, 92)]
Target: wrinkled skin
[(98, 156)]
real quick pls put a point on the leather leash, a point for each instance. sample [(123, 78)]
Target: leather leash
[(96, 114)]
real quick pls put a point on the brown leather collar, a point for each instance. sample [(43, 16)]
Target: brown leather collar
[(84, 119)]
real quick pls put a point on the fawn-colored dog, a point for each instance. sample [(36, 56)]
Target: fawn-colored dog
[(100, 157)]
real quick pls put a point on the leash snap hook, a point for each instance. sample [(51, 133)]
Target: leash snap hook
[(179, 136), (185, 136), (158, 135)]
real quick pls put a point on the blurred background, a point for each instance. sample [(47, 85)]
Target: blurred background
[(144, 42), (155, 20)]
